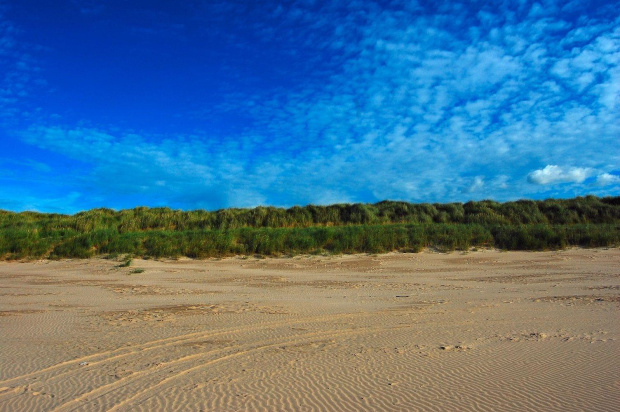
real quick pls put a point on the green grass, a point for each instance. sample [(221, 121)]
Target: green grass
[(358, 228), (126, 263)]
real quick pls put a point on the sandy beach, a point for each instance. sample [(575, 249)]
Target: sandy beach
[(484, 331)]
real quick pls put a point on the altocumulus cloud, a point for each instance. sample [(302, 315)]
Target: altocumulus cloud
[(434, 101), (437, 101), (181, 171)]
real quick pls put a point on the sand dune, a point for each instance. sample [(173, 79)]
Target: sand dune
[(480, 331)]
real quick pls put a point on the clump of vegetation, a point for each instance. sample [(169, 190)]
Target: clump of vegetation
[(342, 228), (126, 263)]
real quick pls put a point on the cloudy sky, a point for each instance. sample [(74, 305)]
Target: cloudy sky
[(213, 104)]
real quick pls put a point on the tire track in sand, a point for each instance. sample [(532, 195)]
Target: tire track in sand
[(44, 376), (143, 395), (159, 343)]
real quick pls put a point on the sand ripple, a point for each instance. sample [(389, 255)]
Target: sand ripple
[(309, 334)]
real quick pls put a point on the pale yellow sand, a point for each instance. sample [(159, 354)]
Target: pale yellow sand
[(484, 331)]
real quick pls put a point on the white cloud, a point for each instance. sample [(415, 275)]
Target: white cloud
[(476, 185), (89, 7), (606, 179), (19, 74), (553, 174)]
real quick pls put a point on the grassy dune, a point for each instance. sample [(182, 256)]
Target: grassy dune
[(342, 228)]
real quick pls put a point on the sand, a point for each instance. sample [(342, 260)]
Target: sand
[(483, 331)]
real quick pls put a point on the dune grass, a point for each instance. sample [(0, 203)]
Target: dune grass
[(344, 228)]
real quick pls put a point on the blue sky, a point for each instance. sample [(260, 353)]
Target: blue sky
[(213, 104)]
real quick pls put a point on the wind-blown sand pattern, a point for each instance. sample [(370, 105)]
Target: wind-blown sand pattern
[(482, 331)]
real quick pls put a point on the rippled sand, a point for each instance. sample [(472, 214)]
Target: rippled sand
[(400, 332)]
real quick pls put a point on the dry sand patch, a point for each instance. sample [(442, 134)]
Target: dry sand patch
[(486, 330)]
